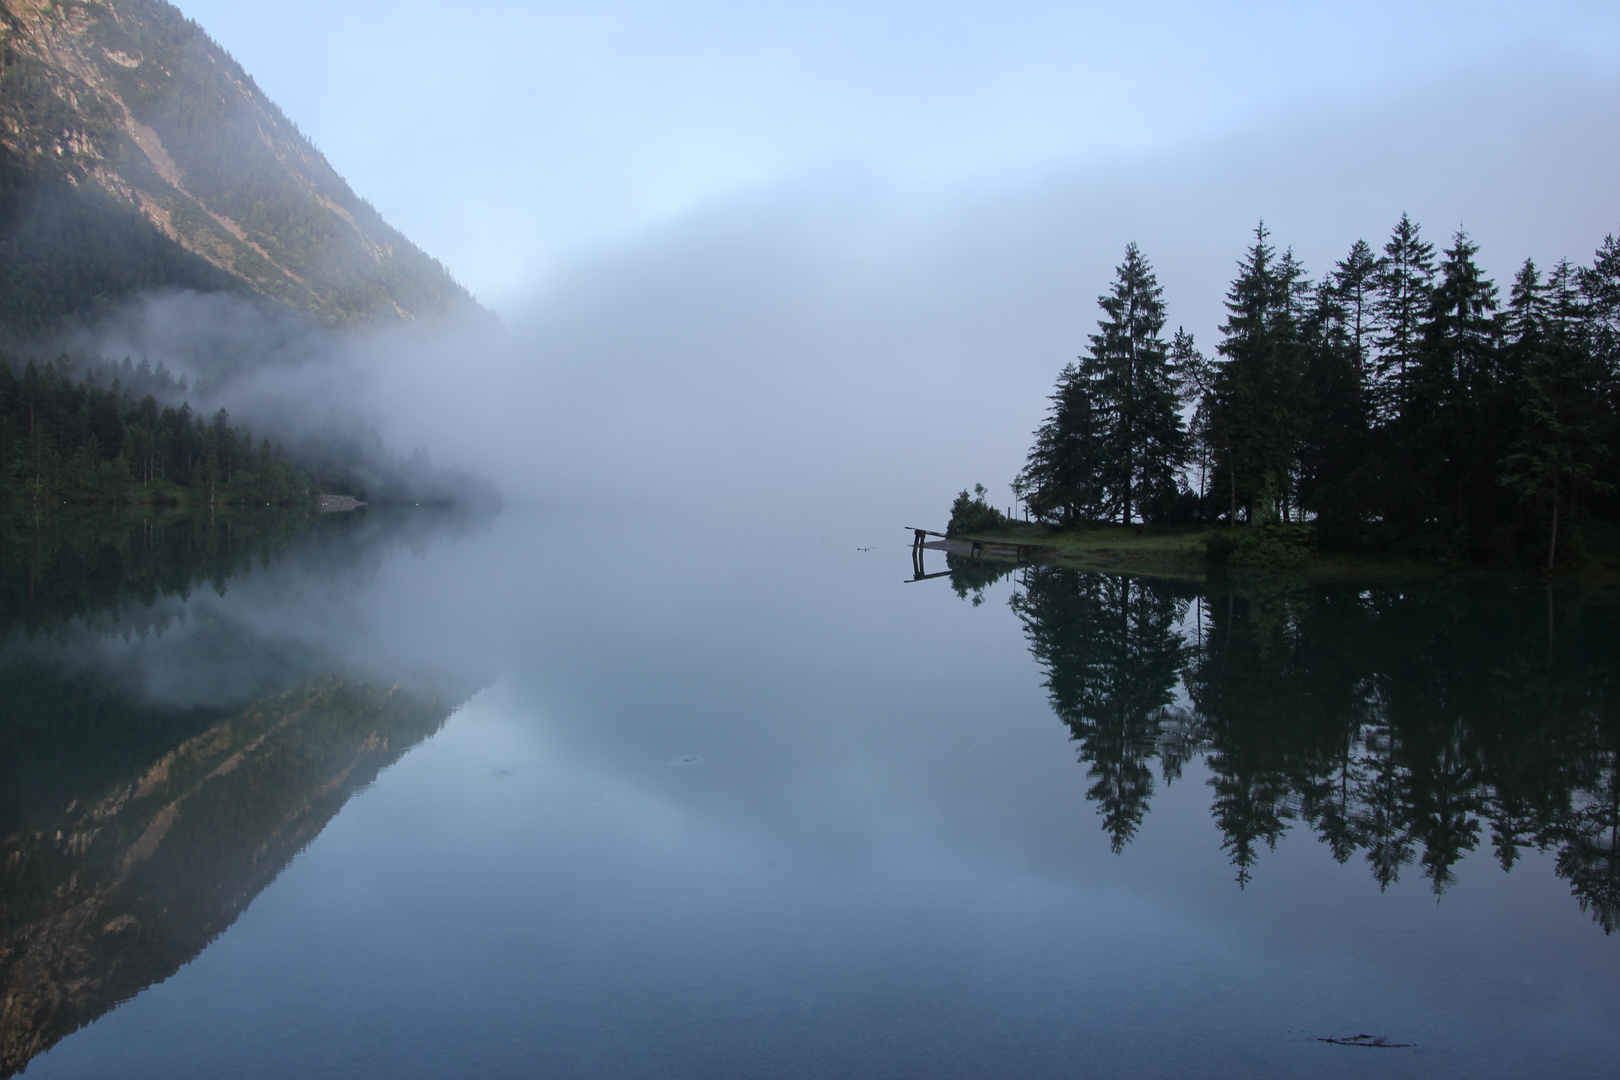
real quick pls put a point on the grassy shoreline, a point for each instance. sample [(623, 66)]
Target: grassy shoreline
[(1179, 551), (162, 494)]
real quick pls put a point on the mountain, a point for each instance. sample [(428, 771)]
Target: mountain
[(135, 154)]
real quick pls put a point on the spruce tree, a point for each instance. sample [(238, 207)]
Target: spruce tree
[(1461, 332), (1355, 288), (1563, 432), (1451, 426), (1524, 326), (1527, 306), (1209, 430), (1134, 395), (1405, 277), (1338, 379), (1600, 299), (1060, 480), (1395, 399), (1600, 295), (1259, 386)]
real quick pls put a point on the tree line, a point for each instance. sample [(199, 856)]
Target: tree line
[(1407, 726), (75, 439), (1398, 401), (96, 432)]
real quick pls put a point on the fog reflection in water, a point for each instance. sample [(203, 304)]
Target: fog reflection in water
[(877, 854)]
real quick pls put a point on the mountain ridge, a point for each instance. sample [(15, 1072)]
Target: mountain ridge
[(124, 117)]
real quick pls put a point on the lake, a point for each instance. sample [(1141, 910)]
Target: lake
[(548, 793)]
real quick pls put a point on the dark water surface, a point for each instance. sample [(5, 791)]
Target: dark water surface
[(539, 795)]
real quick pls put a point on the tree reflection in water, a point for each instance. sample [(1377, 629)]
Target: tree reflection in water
[(1112, 656), (1409, 723)]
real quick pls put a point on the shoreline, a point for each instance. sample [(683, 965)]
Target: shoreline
[(1179, 551)]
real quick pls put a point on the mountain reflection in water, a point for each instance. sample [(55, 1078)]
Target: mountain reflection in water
[(879, 859), (1405, 723), (137, 823)]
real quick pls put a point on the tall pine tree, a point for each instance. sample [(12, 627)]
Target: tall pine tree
[(1339, 379), (1259, 387), (1061, 482), (1134, 394), (1600, 295), (1404, 279), (1449, 423), (1564, 434)]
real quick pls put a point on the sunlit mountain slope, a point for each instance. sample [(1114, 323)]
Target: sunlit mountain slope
[(137, 154)]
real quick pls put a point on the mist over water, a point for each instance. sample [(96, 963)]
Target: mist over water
[(438, 749), (890, 845)]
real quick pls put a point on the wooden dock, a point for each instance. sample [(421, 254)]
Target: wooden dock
[(975, 547)]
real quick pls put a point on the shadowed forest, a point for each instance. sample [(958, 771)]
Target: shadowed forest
[(124, 433), (1400, 402)]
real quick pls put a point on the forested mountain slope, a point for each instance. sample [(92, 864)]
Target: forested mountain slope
[(135, 153)]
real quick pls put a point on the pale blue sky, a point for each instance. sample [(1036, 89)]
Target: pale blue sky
[(510, 138)]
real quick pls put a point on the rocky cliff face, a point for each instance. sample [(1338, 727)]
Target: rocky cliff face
[(131, 101)]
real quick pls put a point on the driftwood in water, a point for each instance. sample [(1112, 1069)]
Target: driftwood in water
[(1377, 1041)]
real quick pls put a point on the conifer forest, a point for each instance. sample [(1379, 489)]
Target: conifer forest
[(72, 439), (1403, 401), (104, 434)]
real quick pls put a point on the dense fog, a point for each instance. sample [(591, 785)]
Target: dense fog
[(842, 343)]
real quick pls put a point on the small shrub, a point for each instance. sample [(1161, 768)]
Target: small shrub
[(971, 514), (1272, 546)]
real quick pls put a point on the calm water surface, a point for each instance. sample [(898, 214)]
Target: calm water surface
[(552, 795)]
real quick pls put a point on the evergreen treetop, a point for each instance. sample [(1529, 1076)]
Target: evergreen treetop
[(1134, 395), (1405, 276)]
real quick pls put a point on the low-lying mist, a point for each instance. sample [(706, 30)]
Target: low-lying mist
[(833, 345), (279, 375)]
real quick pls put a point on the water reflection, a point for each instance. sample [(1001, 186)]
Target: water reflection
[(882, 864), (140, 815), (1407, 723), (1112, 655), (105, 569), (76, 567)]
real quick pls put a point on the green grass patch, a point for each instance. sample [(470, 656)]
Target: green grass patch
[(1187, 550)]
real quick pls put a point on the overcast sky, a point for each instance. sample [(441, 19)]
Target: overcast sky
[(809, 247)]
